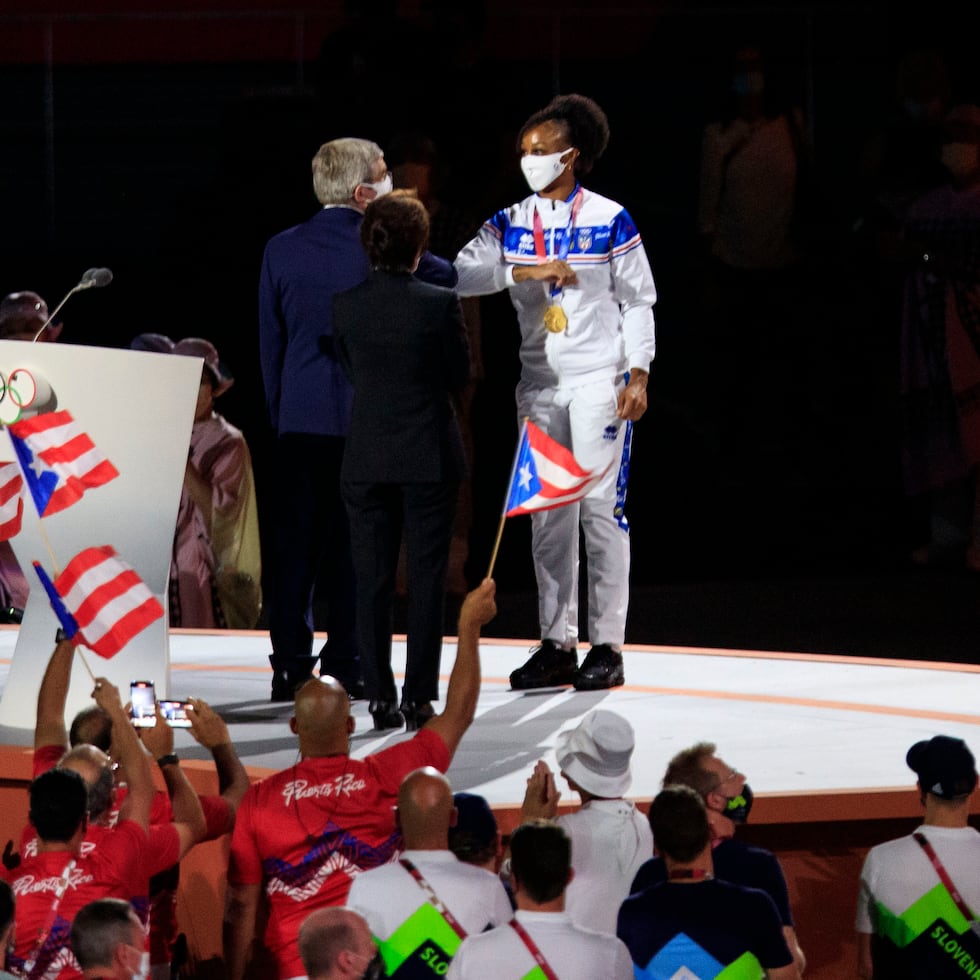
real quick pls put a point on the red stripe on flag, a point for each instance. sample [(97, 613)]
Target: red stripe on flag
[(10, 489), (63, 498), (124, 629), (41, 423), (551, 490), (69, 451), (116, 586), (555, 451), (82, 562), (12, 527)]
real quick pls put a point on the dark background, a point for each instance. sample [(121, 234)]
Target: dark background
[(170, 143)]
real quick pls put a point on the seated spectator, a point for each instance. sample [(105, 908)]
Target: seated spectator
[(107, 940), (727, 797), (694, 924), (475, 837), (919, 893), (610, 836), (421, 907), (336, 944), (216, 574), (6, 924), (62, 877), (541, 934), (303, 834)]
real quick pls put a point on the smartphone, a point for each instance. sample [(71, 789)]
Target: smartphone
[(143, 700), (176, 713)]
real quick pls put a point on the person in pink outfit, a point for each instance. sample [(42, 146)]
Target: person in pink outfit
[(215, 574)]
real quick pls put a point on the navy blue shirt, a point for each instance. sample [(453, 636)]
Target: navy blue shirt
[(705, 927), (737, 862)]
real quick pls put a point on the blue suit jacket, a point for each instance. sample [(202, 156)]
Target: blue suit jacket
[(303, 268)]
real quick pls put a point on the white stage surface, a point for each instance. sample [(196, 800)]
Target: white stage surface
[(797, 724)]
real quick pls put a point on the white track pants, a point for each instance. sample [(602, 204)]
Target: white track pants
[(583, 419)]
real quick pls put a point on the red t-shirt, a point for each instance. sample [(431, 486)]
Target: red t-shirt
[(305, 832), (164, 850), (112, 867)]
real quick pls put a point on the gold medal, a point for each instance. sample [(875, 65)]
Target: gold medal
[(555, 319)]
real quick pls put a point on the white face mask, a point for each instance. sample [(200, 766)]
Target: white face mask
[(540, 171), (961, 159), (380, 187)]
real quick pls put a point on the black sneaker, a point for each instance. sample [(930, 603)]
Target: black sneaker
[(550, 665), (602, 668)]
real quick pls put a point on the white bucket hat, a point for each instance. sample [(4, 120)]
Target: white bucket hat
[(596, 753)]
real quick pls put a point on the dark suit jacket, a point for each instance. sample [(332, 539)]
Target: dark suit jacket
[(303, 268), (404, 347)]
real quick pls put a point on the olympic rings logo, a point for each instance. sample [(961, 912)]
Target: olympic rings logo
[(21, 390)]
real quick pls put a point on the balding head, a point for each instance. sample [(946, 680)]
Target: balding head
[(322, 718), (91, 726), (426, 810), (335, 942), (95, 768)]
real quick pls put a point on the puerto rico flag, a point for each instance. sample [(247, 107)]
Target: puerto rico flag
[(102, 598), (11, 500), (59, 461), (545, 475)]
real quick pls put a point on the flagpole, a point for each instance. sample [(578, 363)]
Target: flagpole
[(510, 483), (496, 547), (47, 544), (81, 656)]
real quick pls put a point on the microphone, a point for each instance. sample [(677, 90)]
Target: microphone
[(95, 277), (91, 277)]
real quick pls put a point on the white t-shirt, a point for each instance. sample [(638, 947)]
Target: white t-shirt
[(388, 896), (898, 873), (610, 840), (572, 952)]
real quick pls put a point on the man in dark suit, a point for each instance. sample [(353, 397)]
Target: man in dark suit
[(404, 347), (309, 403)]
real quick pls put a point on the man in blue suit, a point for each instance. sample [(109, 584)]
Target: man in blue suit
[(309, 402)]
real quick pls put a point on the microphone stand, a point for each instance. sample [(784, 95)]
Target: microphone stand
[(88, 281)]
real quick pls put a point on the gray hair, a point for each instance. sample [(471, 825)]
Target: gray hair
[(340, 165)]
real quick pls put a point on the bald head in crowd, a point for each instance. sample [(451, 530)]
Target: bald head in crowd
[(336, 944), (426, 810), (321, 718), (95, 768)]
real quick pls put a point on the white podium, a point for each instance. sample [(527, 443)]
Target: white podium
[(138, 409)]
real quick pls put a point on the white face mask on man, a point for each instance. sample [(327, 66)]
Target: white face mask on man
[(540, 171), (380, 187)]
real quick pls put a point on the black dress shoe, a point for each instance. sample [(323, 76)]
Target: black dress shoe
[(550, 665), (385, 715), (416, 715), (288, 675), (601, 669)]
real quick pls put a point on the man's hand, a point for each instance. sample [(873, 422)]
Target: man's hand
[(633, 398), (556, 271), (207, 726), (106, 696), (479, 606), (159, 740), (542, 796)]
